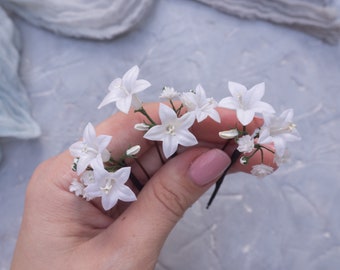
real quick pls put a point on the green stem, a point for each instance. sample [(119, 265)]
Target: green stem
[(144, 112), (271, 151)]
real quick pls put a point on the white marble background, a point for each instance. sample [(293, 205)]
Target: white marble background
[(290, 220)]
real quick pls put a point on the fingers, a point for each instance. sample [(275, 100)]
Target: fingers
[(163, 201), (121, 127)]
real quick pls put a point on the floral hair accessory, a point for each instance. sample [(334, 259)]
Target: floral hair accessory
[(101, 176)]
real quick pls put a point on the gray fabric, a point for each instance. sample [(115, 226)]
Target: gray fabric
[(106, 19), (15, 118), (317, 18), (102, 19)]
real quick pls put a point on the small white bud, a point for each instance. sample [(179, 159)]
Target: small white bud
[(74, 164), (228, 134), (142, 127), (134, 150), (243, 160)]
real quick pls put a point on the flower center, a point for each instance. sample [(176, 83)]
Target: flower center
[(108, 186), (170, 129), (240, 101), (86, 149), (287, 129)]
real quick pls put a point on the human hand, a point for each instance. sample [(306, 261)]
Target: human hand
[(62, 231)]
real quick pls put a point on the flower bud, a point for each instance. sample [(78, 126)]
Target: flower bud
[(228, 134), (244, 160), (134, 150), (142, 127)]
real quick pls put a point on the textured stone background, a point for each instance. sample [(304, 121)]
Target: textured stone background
[(290, 220)]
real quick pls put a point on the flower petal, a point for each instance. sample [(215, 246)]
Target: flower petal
[(245, 117), (166, 114), (130, 77), (89, 134), (255, 93), (126, 194), (213, 114), (186, 120), (228, 102), (140, 85), (186, 138), (170, 145), (156, 133), (121, 175), (109, 201), (103, 141), (124, 104), (263, 107), (236, 89)]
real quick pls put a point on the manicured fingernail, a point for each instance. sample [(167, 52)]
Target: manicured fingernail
[(208, 166)]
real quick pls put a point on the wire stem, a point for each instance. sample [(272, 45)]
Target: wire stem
[(234, 157)]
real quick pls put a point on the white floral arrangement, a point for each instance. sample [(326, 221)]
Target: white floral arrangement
[(99, 175)]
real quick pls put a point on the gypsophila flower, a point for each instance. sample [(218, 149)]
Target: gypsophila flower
[(77, 187), (87, 177), (197, 103), (261, 170), (246, 102), (245, 144), (91, 148), (123, 91), (169, 93), (279, 130), (172, 131), (110, 186)]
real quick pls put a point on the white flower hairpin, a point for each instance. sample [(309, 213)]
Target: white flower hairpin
[(101, 176)]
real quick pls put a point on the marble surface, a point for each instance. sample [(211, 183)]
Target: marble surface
[(289, 220)]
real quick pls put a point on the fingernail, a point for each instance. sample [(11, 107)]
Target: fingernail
[(208, 166)]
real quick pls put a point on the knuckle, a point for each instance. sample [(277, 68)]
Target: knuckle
[(173, 202)]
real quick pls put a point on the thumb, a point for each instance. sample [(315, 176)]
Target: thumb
[(172, 190)]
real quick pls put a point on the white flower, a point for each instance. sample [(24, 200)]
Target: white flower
[(228, 134), (246, 102), (197, 103), (123, 90), (87, 177), (110, 186), (261, 170), (169, 93), (91, 148), (77, 187), (245, 144), (279, 130), (285, 158), (134, 150), (172, 131)]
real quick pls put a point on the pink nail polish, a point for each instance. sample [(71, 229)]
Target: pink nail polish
[(208, 166)]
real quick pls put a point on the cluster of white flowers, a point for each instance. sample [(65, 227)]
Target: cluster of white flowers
[(101, 176)]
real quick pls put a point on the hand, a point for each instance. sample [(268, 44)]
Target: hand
[(62, 231)]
